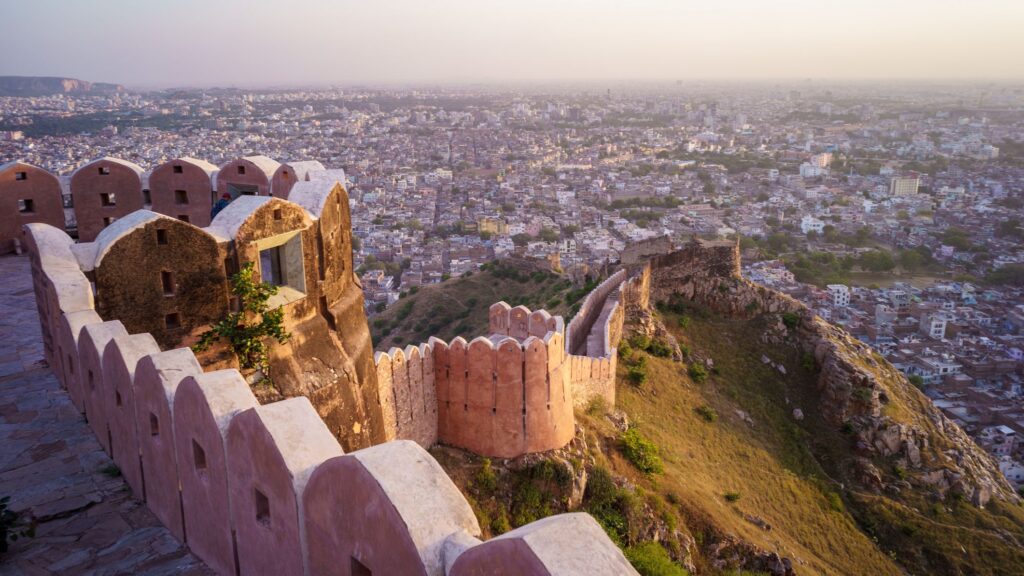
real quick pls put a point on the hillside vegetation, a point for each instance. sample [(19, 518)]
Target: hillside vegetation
[(704, 468), (459, 306)]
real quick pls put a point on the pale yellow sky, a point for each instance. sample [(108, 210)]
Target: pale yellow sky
[(252, 42)]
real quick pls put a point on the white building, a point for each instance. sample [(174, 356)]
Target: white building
[(1012, 469), (904, 185), (811, 224), (934, 325), (840, 294), (808, 170)]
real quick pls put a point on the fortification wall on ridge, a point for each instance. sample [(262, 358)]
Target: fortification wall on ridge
[(166, 277), (512, 392), (494, 396), (253, 488), (107, 189)]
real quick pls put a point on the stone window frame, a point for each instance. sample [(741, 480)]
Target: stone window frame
[(294, 287)]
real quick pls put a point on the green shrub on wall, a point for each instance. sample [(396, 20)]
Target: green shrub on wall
[(248, 329)]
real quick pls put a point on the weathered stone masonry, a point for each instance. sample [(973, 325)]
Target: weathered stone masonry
[(256, 489)]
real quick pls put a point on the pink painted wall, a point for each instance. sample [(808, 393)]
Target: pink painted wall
[(157, 377), (195, 182), (391, 506), (509, 423), (272, 451), (268, 544), (349, 516), (20, 181), (509, 557), (439, 350), (519, 322), (69, 329), (253, 176), (386, 394), (117, 388), (203, 408), (91, 344), (87, 187), (58, 283)]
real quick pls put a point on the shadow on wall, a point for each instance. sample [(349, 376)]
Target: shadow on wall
[(269, 485), (166, 277), (512, 392)]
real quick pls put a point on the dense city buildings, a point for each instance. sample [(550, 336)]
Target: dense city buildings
[(892, 211)]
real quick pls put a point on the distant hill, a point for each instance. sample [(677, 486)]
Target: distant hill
[(49, 85)]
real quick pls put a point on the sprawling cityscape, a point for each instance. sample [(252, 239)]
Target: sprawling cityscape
[(894, 211)]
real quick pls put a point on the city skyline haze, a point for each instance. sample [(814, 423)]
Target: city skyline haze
[(321, 42)]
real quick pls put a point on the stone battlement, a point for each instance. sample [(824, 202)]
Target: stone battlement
[(507, 394), (106, 189), (169, 278), (260, 489)]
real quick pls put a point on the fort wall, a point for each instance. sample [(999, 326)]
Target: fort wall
[(183, 188), (28, 194), (163, 276), (107, 189), (186, 265), (256, 488), (103, 191), (512, 392)]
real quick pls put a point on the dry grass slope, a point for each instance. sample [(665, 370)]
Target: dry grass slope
[(766, 466)]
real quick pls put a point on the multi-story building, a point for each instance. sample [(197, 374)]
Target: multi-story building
[(904, 185), (840, 294)]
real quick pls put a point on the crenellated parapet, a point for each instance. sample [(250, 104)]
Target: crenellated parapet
[(108, 189), (512, 392), (255, 489), (164, 276), (494, 396)]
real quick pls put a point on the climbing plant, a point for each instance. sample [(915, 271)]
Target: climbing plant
[(248, 330)]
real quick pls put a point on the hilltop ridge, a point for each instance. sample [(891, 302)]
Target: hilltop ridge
[(49, 85), (782, 445)]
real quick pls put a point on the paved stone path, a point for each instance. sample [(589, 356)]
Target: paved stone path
[(52, 466)]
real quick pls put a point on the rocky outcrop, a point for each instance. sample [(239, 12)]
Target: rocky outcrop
[(858, 390), (47, 85), (730, 553)]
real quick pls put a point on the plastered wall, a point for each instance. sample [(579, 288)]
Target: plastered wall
[(256, 489)]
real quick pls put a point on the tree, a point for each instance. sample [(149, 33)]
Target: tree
[(548, 234), (957, 238), (877, 261), (1010, 227), (910, 260), (1011, 275), (778, 242), (521, 239), (248, 329)]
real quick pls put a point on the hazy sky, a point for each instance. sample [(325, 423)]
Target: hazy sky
[(281, 42)]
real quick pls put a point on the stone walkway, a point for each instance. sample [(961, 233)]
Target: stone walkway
[(52, 466)]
